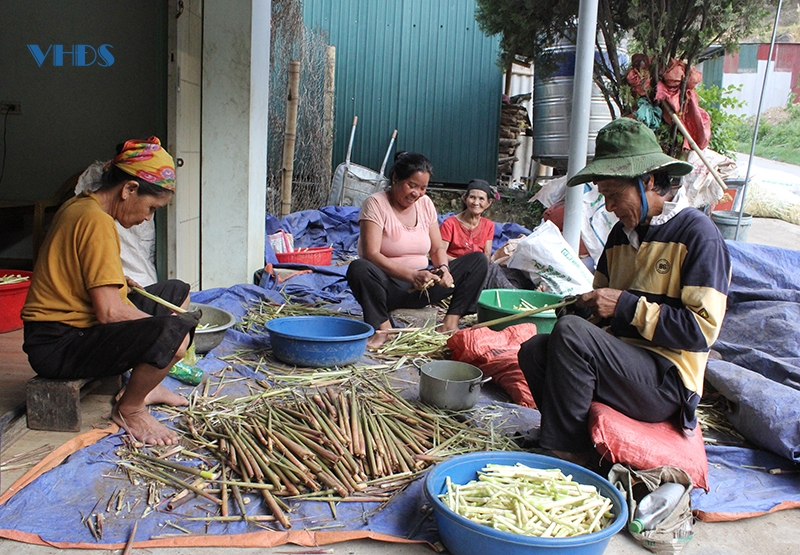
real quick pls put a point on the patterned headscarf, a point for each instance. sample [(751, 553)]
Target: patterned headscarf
[(145, 159)]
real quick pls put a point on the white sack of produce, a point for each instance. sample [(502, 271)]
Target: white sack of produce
[(550, 261), (553, 191), (596, 222), (769, 201)]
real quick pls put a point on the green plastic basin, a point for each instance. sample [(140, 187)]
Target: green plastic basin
[(498, 303)]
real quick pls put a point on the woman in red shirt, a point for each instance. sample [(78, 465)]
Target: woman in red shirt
[(468, 231)]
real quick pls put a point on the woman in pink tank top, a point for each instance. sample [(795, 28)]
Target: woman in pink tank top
[(403, 261)]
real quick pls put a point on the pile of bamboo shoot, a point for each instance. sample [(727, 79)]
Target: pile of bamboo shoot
[(10, 279), (361, 441), (530, 501)]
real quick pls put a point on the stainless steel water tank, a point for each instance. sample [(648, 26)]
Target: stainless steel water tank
[(552, 109)]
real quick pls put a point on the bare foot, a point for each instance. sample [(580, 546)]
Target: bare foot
[(449, 324), (377, 339), (160, 395), (144, 427)]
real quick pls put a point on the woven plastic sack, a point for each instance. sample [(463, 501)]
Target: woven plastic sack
[(502, 255), (495, 353), (677, 529), (621, 439), (765, 200)]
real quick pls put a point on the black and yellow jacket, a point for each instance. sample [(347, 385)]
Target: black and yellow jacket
[(675, 288)]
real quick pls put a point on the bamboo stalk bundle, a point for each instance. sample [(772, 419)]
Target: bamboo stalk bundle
[(361, 440)]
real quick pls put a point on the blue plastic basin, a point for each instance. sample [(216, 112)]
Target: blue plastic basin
[(461, 536), (318, 341)]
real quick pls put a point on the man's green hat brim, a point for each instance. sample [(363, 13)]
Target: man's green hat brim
[(628, 148)]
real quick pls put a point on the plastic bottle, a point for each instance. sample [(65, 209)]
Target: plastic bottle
[(186, 373), (656, 506)]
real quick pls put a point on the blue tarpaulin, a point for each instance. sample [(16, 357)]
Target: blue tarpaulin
[(337, 226), (759, 373), (760, 347)]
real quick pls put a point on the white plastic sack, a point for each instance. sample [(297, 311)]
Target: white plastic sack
[(549, 260), (596, 223), (551, 192), (281, 241), (699, 185), (138, 252)]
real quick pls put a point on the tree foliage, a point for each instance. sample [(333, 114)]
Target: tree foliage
[(662, 30), (720, 103)]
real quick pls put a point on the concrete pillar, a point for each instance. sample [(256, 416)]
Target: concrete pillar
[(236, 37)]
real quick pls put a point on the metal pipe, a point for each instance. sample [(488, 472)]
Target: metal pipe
[(758, 120), (579, 121)]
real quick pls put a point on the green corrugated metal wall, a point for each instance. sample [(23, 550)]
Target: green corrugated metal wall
[(422, 67), (712, 71)]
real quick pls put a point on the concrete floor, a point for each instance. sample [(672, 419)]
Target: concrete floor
[(774, 534)]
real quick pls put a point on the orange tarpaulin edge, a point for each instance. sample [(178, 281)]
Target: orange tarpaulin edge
[(728, 517), (56, 457), (251, 539)]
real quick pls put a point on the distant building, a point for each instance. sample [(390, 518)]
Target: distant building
[(747, 66)]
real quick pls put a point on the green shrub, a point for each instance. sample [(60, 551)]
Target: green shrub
[(725, 127)]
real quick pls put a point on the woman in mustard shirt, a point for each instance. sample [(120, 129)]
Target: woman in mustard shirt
[(79, 320)]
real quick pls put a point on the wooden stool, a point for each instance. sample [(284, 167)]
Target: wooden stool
[(55, 405)]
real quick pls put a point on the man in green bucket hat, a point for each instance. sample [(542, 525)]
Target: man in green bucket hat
[(660, 291)]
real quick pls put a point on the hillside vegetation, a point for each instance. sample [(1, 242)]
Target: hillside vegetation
[(778, 135)]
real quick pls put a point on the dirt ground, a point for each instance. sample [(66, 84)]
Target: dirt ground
[(775, 115)]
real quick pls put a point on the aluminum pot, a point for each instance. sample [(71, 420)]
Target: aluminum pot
[(216, 322), (449, 384)]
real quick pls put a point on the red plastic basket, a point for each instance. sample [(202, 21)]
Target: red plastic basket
[(316, 256), (12, 297)]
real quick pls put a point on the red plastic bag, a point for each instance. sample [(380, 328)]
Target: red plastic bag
[(644, 445), (495, 353)]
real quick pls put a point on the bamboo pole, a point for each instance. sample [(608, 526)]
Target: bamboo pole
[(523, 314), (289, 136), (693, 144), (328, 113), (131, 538), (160, 301)]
